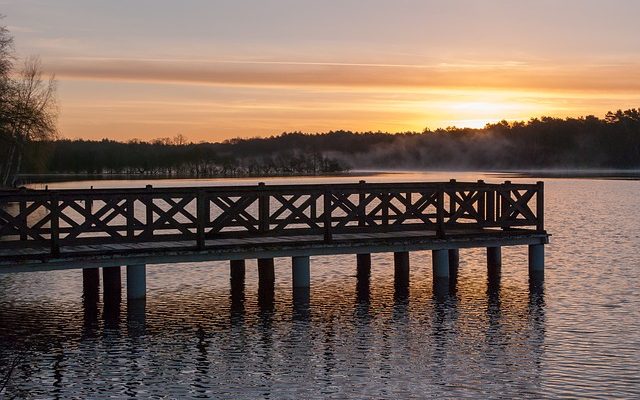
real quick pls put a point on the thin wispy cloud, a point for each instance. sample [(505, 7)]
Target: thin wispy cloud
[(618, 77)]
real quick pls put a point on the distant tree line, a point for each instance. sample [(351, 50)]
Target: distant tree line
[(585, 142), (175, 158)]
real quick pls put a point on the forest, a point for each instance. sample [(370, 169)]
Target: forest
[(612, 142)]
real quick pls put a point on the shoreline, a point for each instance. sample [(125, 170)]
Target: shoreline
[(606, 174)]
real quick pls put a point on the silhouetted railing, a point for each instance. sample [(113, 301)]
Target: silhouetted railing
[(58, 218)]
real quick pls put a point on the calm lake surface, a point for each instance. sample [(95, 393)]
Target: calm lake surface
[(576, 335)]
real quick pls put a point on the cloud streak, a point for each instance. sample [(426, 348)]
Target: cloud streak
[(622, 77)]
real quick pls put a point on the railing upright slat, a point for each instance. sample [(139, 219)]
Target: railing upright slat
[(326, 215), (263, 208), (540, 207), (55, 224)]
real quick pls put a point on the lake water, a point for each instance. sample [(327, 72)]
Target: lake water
[(576, 335)]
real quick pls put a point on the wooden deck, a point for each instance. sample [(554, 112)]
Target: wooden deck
[(44, 230)]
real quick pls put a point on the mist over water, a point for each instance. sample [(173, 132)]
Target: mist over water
[(574, 335)]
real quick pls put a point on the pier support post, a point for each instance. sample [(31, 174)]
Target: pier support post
[(90, 283), (364, 265), (301, 271), (536, 259), (136, 281), (454, 261), (440, 264), (266, 273), (494, 260), (362, 277), (237, 271), (112, 283), (401, 276), (401, 266)]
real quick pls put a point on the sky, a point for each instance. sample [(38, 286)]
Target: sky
[(213, 70)]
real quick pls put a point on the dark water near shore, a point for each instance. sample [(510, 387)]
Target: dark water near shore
[(575, 335)]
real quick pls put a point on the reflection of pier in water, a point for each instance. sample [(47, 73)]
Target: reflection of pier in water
[(108, 228), (425, 330)]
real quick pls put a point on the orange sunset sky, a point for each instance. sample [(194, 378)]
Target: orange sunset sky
[(213, 70)]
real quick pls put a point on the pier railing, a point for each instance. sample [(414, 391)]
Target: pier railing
[(58, 218)]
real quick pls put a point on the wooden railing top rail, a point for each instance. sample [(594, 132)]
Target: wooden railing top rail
[(366, 186)]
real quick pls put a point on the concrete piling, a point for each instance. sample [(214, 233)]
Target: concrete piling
[(494, 260), (440, 264), (136, 281), (301, 271), (536, 258)]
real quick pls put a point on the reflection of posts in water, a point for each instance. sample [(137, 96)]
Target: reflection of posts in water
[(237, 295), (537, 318), (493, 290), (90, 296), (401, 276), (301, 300), (112, 292), (266, 284), (236, 280), (536, 300), (536, 289), (441, 289), (136, 316)]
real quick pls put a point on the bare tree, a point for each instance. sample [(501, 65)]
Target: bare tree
[(30, 114), (6, 63)]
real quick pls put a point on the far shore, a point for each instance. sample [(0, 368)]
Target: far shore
[(617, 174)]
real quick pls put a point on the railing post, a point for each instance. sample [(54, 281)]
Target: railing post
[(440, 212), (482, 217), (452, 197), (149, 213), (361, 207), (491, 205), (55, 224), (326, 215), (385, 208), (504, 204), (201, 218), (23, 215), (130, 217), (263, 209), (540, 206)]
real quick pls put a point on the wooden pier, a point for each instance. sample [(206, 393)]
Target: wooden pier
[(44, 230)]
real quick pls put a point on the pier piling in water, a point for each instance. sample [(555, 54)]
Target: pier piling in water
[(454, 261), (301, 271), (494, 260), (536, 258), (266, 271), (136, 281), (440, 264), (363, 265), (237, 270), (90, 283), (401, 266), (112, 284)]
